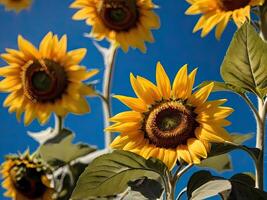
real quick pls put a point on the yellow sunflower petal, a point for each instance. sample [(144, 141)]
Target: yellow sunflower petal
[(149, 88), (183, 153), (170, 158), (140, 92), (197, 147), (27, 48), (134, 103), (180, 84), (127, 116), (200, 96), (163, 82), (212, 134), (124, 127)]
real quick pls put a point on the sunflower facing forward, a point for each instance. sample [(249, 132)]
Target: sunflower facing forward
[(219, 12), (169, 122), (26, 178), (126, 22), (16, 5), (45, 80)]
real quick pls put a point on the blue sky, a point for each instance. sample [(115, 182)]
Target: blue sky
[(175, 46)]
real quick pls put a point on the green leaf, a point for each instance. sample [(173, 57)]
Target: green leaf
[(49, 136), (241, 138), (145, 189), (203, 185), (238, 140), (245, 63), (220, 163), (110, 174), (219, 148), (66, 182), (221, 87), (218, 158), (247, 179), (59, 153), (241, 191)]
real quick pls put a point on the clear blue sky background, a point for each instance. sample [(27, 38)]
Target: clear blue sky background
[(175, 46)]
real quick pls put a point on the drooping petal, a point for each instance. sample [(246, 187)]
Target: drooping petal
[(183, 153)]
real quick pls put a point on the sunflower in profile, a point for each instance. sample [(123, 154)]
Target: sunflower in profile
[(219, 12), (16, 5), (46, 80), (26, 178), (169, 122), (126, 22)]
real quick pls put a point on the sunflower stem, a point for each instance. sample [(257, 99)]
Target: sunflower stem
[(262, 110), (59, 124), (172, 180), (260, 143), (169, 187), (107, 83), (251, 105), (180, 173)]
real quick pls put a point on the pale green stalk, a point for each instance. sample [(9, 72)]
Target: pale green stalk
[(172, 180), (59, 124), (106, 95)]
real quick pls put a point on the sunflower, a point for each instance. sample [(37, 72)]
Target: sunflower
[(16, 5), (45, 80), (26, 178), (126, 22), (219, 12), (169, 122)]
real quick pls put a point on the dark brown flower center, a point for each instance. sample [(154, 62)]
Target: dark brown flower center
[(45, 81), (230, 5), (16, 1), (170, 124), (28, 181), (119, 15)]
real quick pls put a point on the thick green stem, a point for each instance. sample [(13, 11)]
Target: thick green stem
[(172, 180), (171, 194), (261, 109), (59, 123), (107, 81), (170, 187), (260, 144)]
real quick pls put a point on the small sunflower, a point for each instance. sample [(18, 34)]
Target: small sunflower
[(45, 80), (219, 12), (26, 178), (16, 5), (126, 22), (169, 122)]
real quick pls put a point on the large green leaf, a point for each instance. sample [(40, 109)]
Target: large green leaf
[(220, 163), (60, 152), (218, 158), (238, 140), (65, 182), (245, 63), (222, 87), (49, 135), (222, 148), (144, 189), (110, 174), (203, 184)]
